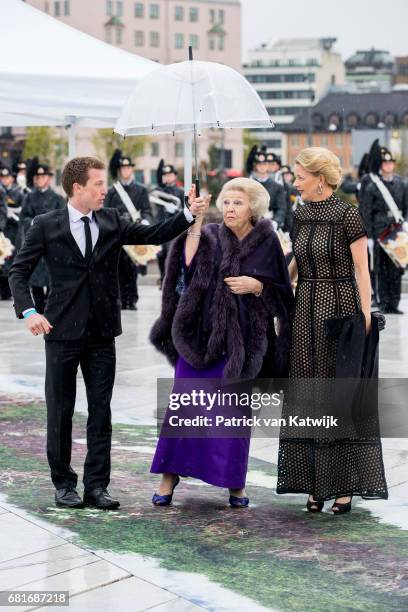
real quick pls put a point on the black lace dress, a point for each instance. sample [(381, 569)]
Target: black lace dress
[(322, 234)]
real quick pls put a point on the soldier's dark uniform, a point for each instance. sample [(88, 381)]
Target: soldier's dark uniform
[(128, 270), (292, 197), (377, 217), (14, 200), (38, 202), (162, 214), (278, 202)]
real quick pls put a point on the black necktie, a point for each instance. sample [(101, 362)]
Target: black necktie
[(88, 238)]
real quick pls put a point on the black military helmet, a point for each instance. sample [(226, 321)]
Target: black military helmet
[(19, 165), (163, 169), (286, 169), (119, 161), (272, 157), (5, 171), (378, 155), (255, 156), (36, 168)]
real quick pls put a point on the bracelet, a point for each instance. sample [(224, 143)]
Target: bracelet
[(193, 234)]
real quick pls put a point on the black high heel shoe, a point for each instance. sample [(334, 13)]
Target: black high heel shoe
[(165, 500), (339, 508), (314, 506)]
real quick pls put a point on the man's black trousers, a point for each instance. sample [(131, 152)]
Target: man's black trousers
[(97, 358)]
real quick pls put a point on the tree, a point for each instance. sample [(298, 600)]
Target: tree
[(106, 141), (47, 144)]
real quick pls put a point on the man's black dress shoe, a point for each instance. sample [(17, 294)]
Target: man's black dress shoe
[(392, 310), (68, 498), (100, 498)]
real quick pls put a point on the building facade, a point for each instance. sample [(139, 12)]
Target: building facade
[(162, 30), (289, 76), (347, 123), (370, 70), (401, 71)]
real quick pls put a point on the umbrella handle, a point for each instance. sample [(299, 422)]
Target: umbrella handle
[(197, 188)]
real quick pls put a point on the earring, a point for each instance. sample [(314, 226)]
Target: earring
[(320, 189)]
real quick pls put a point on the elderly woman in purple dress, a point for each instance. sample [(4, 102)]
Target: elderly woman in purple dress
[(225, 294)]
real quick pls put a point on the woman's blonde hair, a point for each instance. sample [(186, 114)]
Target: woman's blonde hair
[(257, 195), (319, 160)]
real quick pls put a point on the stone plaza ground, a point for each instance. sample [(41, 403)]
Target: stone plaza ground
[(198, 553)]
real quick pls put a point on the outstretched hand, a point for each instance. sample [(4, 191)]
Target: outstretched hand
[(198, 206)]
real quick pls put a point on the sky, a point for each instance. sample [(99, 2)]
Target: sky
[(357, 24)]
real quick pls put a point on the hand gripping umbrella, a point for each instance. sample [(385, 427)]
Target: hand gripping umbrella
[(189, 97)]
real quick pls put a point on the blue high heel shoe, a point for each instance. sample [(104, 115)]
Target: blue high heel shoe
[(238, 502), (165, 500)]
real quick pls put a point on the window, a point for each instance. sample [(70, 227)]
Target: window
[(119, 37), (194, 41), (139, 176), (178, 13), (66, 8), (108, 35), (109, 8), (154, 150), (294, 140), (221, 43), (154, 11), (139, 38), (153, 177), (179, 149), (139, 10), (324, 140), (193, 14), (212, 16), (221, 16), (211, 44), (57, 9), (119, 9), (154, 39), (179, 41), (278, 78), (338, 140)]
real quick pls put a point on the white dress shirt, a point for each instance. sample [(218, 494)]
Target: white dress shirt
[(77, 227)]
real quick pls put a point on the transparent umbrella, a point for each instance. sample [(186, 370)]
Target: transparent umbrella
[(188, 97)]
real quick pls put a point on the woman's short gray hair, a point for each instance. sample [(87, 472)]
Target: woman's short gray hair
[(257, 195)]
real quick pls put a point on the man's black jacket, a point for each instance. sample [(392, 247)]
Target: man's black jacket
[(78, 288)]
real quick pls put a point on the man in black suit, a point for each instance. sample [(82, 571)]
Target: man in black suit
[(81, 246)]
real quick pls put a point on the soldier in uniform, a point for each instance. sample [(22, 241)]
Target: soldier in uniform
[(167, 184), (41, 199), (377, 217), (14, 201), (257, 169), (274, 166), (125, 186), (292, 196), (20, 171)]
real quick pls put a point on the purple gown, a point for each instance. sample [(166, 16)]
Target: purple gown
[(218, 461)]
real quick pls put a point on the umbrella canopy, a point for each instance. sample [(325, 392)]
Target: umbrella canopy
[(50, 72), (191, 95)]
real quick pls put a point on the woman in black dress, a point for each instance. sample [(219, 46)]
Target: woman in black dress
[(330, 263)]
